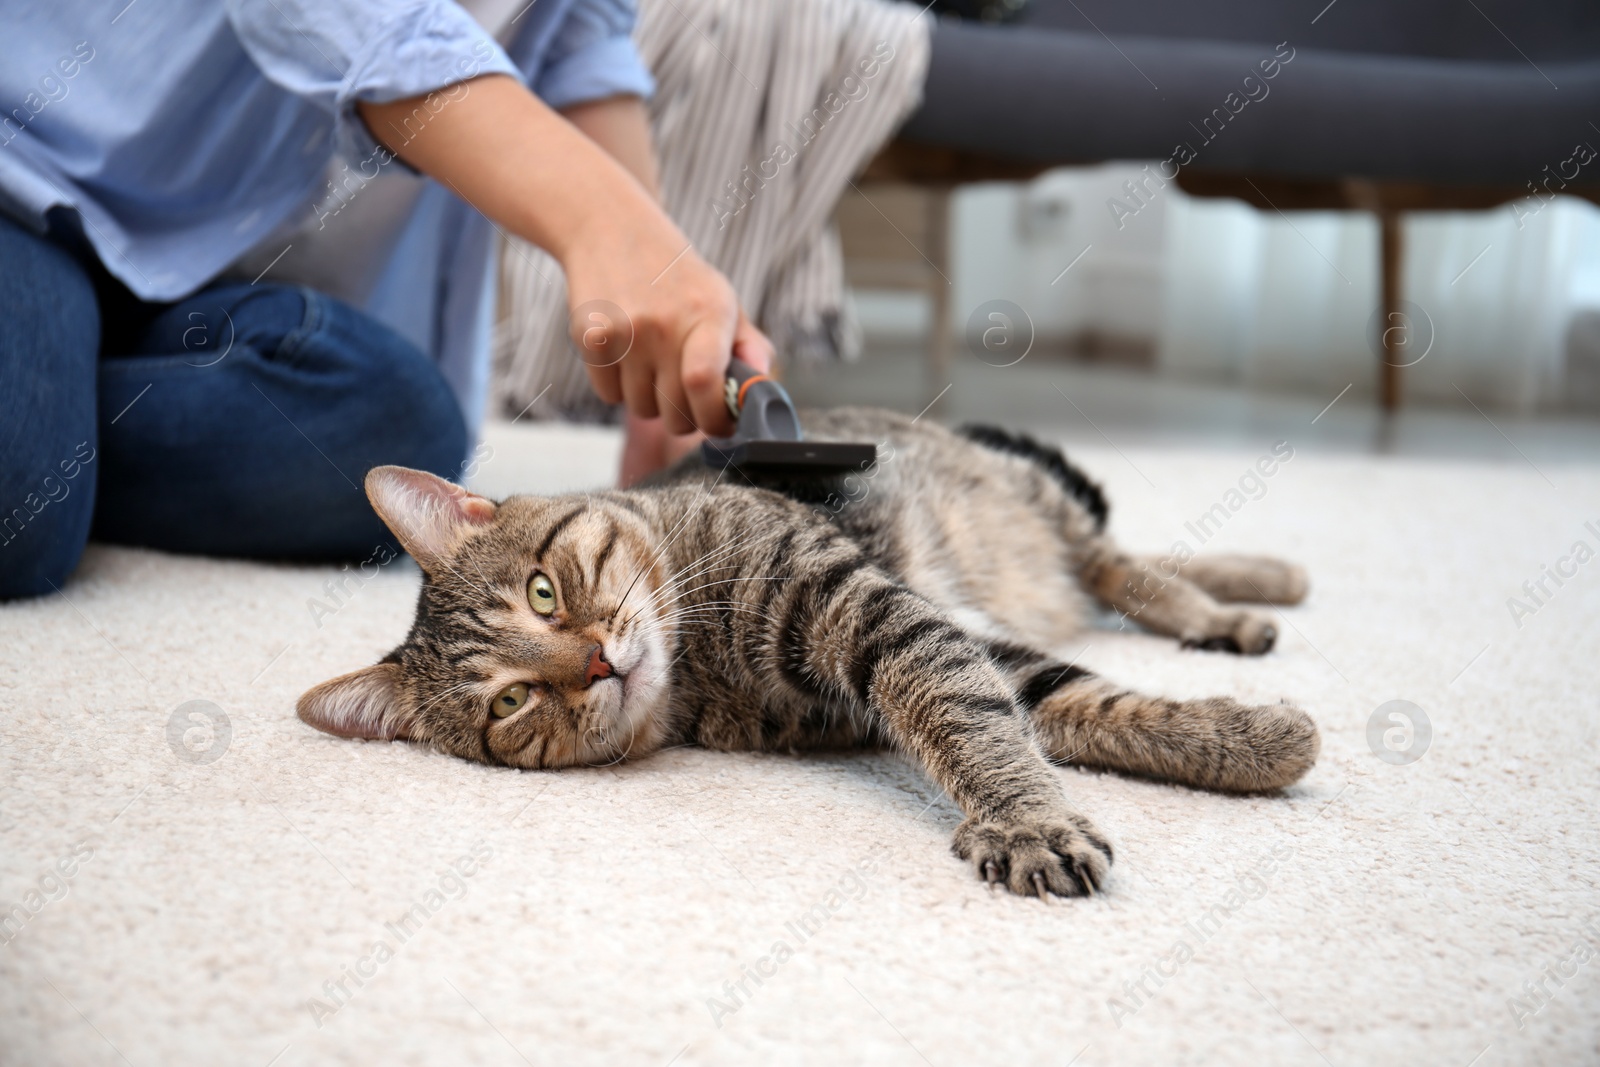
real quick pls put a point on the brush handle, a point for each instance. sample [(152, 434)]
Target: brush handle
[(759, 405), (739, 374)]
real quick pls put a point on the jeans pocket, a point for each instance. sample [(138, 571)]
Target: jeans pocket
[(299, 340)]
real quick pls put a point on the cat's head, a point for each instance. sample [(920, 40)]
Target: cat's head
[(537, 641)]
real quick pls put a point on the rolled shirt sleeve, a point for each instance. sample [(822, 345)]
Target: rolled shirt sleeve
[(592, 56), (335, 53)]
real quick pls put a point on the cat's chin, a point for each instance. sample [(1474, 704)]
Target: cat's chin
[(644, 694), (635, 726)]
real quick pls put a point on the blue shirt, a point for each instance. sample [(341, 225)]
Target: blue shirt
[(186, 134)]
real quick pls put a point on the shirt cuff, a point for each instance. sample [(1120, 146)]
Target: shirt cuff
[(608, 67), (423, 50)]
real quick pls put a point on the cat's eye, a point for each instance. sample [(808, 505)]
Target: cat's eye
[(510, 700), (542, 595)]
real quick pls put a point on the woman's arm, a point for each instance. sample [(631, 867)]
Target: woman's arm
[(620, 125), (533, 172)]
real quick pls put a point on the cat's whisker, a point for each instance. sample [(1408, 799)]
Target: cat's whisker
[(677, 531), (644, 568), (669, 593), (673, 586), (715, 606), (710, 619), (673, 663), (720, 550), (444, 694), (707, 561), (683, 593), (704, 618), (728, 581), (723, 551)]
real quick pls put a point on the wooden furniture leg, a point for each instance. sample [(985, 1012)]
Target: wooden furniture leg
[(1396, 330), (939, 285)]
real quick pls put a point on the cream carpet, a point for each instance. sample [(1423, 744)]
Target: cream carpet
[(183, 891)]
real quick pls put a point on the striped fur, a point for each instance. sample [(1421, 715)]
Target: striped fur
[(908, 606)]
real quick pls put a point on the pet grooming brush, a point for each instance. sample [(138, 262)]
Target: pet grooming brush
[(767, 437)]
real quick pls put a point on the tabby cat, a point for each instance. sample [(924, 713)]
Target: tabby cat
[(910, 605)]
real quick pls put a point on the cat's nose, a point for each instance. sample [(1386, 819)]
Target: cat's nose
[(598, 667)]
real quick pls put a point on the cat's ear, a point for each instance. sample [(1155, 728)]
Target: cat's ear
[(429, 515), (363, 703)]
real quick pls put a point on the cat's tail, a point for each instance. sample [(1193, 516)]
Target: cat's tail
[(1215, 743)]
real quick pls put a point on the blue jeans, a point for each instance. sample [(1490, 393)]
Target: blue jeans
[(238, 422)]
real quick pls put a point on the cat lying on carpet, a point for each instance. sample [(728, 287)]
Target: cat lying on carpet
[(907, 606)]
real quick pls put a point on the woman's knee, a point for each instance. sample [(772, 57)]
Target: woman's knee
[(49, 338), (406, 411), (423, 418), (45, 527)]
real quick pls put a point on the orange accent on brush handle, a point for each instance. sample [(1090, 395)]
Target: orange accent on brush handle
[(748, 382)]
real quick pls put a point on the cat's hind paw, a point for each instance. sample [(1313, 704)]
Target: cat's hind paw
[(1247, 633), (1061, 854)]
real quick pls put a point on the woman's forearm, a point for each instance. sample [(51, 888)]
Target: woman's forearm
[(621, 126), (516, 160)]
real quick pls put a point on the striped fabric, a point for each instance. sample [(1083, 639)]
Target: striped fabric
[(763, 113)]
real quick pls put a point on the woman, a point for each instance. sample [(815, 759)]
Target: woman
[(246, 255)]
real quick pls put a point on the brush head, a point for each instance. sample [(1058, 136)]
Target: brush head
[(789, 457), (767, 437)]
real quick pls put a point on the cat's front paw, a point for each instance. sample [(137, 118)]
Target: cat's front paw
[(1033, 855)]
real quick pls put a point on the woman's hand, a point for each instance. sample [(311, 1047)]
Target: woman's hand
[(667, 354), (498, 147)]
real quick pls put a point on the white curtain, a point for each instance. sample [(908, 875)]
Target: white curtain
[(1288, 302)]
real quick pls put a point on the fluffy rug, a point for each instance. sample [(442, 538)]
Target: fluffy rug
[(193, 876)]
